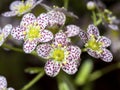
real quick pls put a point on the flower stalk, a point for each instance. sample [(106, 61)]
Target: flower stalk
[(32, 82)]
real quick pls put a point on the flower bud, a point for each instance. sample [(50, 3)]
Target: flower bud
[(91, 5)]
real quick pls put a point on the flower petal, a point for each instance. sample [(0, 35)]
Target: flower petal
[(106, 55), (105, 41), (83, 36), (42, 20), (52, 68), (30, 2), (38, 2), (14, 5), (113, 26), (93, 53), (43, 50), (61, 38), (10, 88), (28, 19), (56, 18), (70, 67), (6, 30), (3, 82), (74, 53), (29, 45), (66, 12), (72, 30), (9, 14), (18, 33), (33, 2), (46, 36), (92, 30)]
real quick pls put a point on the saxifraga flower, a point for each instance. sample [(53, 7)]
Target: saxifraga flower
[(4, 33), (32, 31), (95, 44), (56, 18), (21, 7), (72, 30), (60, 55), (3, 84)]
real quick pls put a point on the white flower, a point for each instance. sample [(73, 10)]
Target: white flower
[(96, 44), (3, 84), (60, 55), (21, 7), (32, 31)]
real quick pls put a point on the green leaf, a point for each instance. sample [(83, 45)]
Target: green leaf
[(84, 72), (33, 70), (65, 82), (63, 85)]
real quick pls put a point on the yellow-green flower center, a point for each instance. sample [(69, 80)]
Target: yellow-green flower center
[(33, 32), (58, 54), (93, 44), (24, 7)]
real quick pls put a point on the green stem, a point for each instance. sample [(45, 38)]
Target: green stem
[(12, 48), (99, 73), (16, 49), (21, 51), (66, 79), (94, 17), (31, 83), (66, 3)]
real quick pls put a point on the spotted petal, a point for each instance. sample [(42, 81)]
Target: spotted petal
[(56, 18), (46, 36), (106, 55), (93, 53), (9, 14), (6, 30), (61, 38), (105, 41), (18, 33), (28, 19), (29, 45), (14, 5), (92, 30), (83, 36), (70, 67), (43, 50), (42, 20), (3, 82), (72, 30), (74, 53), (52, 68)]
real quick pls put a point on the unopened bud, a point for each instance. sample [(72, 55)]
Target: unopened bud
[(91, 5)]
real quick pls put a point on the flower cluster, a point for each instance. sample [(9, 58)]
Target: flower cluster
[(103, 15), (3, 84), (95, 44), (57, 49), (50, 38)]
